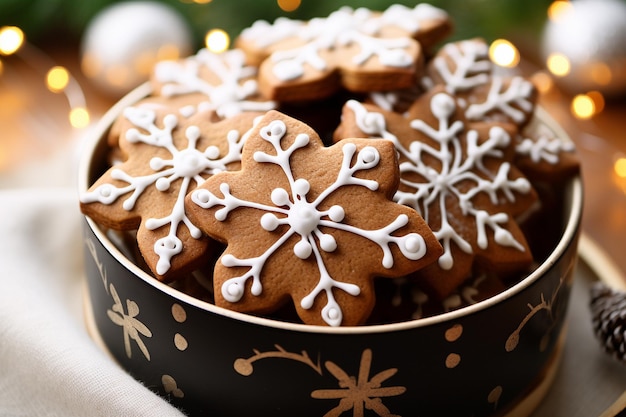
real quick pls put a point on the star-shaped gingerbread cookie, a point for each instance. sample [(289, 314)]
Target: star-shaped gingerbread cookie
[(459, 175), (221, 82), (356, 49), (309, 223), (165, 155)]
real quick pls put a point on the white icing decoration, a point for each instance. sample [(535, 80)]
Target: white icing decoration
[(547, 147), (304, 219), (517, 93), (471, 65), (187, 165), (441, 185), (341, 28), (229, 97), (264, 34)]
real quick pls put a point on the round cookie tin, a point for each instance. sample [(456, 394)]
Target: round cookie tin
[(485, 359)]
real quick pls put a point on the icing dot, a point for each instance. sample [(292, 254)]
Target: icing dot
[(368, 155), (105, 191), (413, 244), (156, 164), (336, 213), (280, 197), (180, 342), (201, 196), (333, 314), (179, 313), (442, 106), (162, 184), (302, 249), (212, 152), (234, 290), (445, 261), (328, 243), (301, 186), (269, 222), (303, 218)]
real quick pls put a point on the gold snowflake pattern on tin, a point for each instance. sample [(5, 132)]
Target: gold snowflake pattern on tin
[(133, 328), (360, 393), (355, 393)]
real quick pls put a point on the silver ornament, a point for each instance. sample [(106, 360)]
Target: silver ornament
[(122, 43), (591, 34)]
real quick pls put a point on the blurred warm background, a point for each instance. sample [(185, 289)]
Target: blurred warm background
[(63, 63)]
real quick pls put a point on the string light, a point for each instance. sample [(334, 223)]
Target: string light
[(619, 167), (558, 64), (11, 39), (79, 117), (583, 106), (557, 9), (543, 81), (600, 73), (217, 40), (57, 79), (288, 5), (598, 100), (504, 53)]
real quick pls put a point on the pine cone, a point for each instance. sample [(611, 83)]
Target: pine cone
[(608, 315)]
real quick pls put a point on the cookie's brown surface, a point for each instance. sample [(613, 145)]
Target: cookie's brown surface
[(309, 223), (358, 50), (165, 156), (459, 175)]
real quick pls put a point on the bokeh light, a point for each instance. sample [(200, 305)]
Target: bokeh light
[(620, 167), (11, 39), (583, 106), (504, 53), (558, 64), (557, 8), (217, 40), (600, 73), (288, 5), (79, 117), (543, 81), (57, 79)]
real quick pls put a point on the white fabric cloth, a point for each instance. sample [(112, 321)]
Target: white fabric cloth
[(49, 366)]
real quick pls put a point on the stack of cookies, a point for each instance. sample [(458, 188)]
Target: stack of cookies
[(340, 171)]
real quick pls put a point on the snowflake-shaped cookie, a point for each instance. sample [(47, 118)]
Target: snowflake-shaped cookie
[(357, 49), (545, 156), (221, 82), (459, 175), (465, 70), (167, 155), (309, 223)]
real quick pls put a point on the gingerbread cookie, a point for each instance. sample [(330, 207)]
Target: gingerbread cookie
[(466, 71), (459, 175), (309, 223), (219, 82), (165, 156), (544, 156), (356, 49)]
